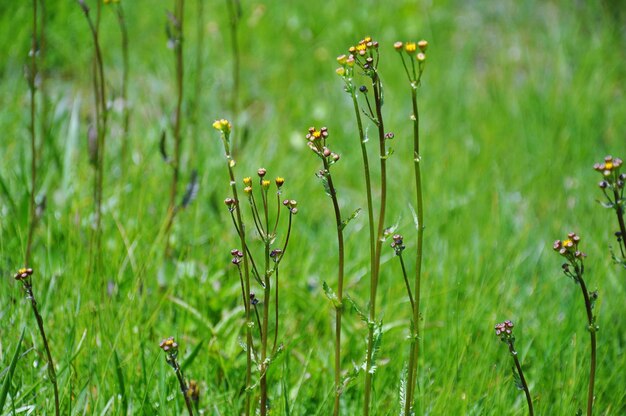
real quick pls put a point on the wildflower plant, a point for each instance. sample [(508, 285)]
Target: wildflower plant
[(316, 140), (265, 211), (612, 186), (170, 347), (24, 276), (574, 268), (504, 331), (364, 57), (413, 56)]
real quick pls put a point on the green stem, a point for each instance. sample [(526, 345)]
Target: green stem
[(522, 378), (377, 86), (619, 211), (592, 334), (340, 276), (244, 249), (414, 354), (42, 332), (266, 311), (183, 387)]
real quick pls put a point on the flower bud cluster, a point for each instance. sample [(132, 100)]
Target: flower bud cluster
[(170, 346), (237, 256), (398, 244), (316, 140), (23, 274), (364, 54), (504, 331), (292, 205), (568, 248), (612, 179), (414, 52)]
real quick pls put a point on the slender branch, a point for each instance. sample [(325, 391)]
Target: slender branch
[(592, 334)]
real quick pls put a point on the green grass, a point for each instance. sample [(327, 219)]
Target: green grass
[(519, 99)]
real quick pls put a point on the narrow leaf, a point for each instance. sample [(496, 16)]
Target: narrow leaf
[(192, 356), (162, 149), (350, 218), (330, 294), (120, 382), (7, 380)]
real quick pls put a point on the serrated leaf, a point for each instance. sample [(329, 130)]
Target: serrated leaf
[(331, 295), (378, 336), (350, 218), (402, 392), (324, 180), (359, 312), (516, 379), (192, 190)]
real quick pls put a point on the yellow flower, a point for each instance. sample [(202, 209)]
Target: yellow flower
[(265, 184), (247, 181), (280, 181), (410, 47), (222, 125)]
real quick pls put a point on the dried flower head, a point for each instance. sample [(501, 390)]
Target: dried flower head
[(261, 172), (193, 391)]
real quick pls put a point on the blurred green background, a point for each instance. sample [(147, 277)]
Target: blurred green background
[(518, 100)]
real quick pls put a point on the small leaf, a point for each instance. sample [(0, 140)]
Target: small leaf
[(192, 190), (350, 218), (331, 295), (516, 379), (388, 153)]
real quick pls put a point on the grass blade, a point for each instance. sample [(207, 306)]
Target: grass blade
[(7, 381)]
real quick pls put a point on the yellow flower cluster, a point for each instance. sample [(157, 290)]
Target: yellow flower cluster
[(222, 125), (411, 47)]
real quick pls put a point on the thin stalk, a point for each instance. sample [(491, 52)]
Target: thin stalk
[(529, 400), (171, 210), (33, 138), (377, 86), (266, 309), (414, 354), (51, 371), (183, 387), (406, 282), (196, 109), (275, 309), (592, 334), (125, 70), (619, 211), (242, 238), (340, 276)]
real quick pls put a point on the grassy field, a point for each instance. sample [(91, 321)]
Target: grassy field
[(518, 101)]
